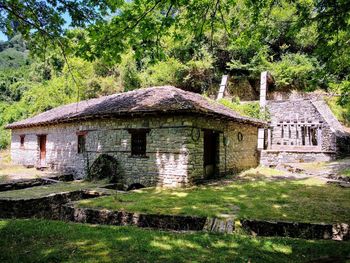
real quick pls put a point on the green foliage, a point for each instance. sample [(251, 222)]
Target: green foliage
[(341, 112), (43, 85), (115, 46), (167, 72), (129, 73), (296, 71), (13, 58), (249, 109)]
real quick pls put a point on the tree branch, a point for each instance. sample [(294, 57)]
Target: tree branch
[(46, 33)]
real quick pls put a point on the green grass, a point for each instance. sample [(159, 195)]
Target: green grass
[(262, 172), (44, 190), (300, 200), (53, 241), (4, 178), (341, 113), (345, 172)]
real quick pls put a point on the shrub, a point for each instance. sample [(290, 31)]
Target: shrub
[(296, 71), (249, 109)]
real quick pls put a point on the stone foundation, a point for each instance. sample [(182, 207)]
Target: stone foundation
[(48, 207), (273, 158), (338, 232), (22, 184)]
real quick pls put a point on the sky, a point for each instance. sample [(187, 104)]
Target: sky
[(2, 37)]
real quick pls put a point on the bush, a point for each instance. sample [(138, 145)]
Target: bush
[(167, 72), (249, 109), (128, 72), (297, 71)]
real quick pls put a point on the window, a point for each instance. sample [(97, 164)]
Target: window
[(22, 140), (138, 142), (81, 143), (314, 136)]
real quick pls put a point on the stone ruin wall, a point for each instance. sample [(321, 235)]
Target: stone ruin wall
[(293, 115), (172, 157)]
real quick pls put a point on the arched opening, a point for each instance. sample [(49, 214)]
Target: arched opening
[(105, 167)]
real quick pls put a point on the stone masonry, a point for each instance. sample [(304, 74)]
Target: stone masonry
[(174, 156), (301, 129)]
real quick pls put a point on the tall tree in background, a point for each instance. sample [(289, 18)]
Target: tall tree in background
[(249, 35)]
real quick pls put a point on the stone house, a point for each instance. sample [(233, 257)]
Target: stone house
[(156, 136), (302, 128)]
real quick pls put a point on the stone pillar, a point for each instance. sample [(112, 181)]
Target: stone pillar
[(261, 136), (263, 89), (222, 87), (263, 92)]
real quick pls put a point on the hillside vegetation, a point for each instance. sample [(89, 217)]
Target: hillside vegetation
[(187, 45)]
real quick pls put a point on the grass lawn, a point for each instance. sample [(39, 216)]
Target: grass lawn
[(53, 241), (44, 190), (308, 200)]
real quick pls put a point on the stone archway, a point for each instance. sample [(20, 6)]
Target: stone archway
[(106, 167)]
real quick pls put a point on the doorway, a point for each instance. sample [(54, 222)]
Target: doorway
[(42, 150), (211, 153)]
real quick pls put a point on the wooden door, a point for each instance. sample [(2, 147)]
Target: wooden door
[(42, 147), (210, 152)]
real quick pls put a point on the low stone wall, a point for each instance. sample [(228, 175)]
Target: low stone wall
[(339, 231), (48, 207), (273, 158), (22, 184), (344, 178), (122, 218)]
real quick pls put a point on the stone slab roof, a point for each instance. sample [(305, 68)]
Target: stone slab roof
[(151, 101)]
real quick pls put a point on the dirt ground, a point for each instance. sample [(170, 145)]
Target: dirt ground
[(11, 172)]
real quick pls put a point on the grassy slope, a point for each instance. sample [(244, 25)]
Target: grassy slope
[(342, 113), (300, 200), (50, 241)]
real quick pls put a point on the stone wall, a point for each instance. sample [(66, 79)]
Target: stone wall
[(272, 158), (294, 115), (172, 158)]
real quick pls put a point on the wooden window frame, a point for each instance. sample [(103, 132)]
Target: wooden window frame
[(138, 136), (81, 146)]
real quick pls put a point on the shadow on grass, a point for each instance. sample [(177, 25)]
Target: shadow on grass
[(51, 241), (298, 200)]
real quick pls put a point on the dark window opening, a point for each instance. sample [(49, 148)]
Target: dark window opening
[(81, 143), (303, 135), (22, 140), (282, 132), (314, 136), (290, 132), (138, 142)]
